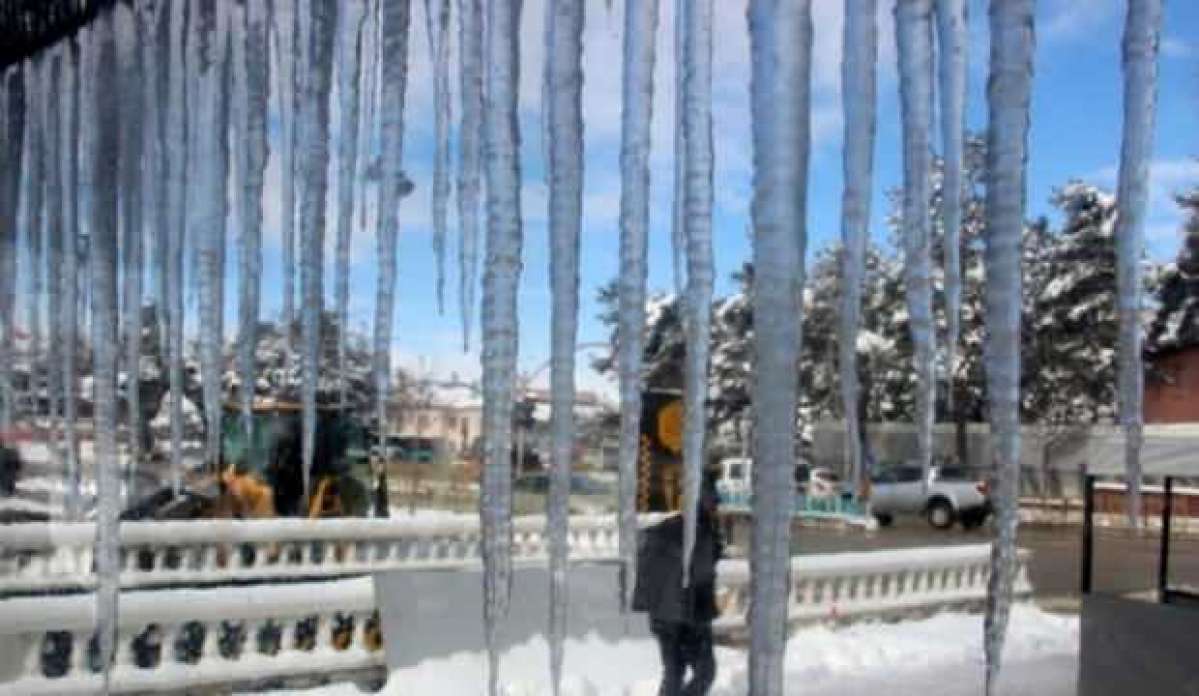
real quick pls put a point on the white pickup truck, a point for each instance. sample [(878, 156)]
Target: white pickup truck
[(951, 496)]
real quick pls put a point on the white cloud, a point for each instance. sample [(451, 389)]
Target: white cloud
[(1174, 47), (1072, 19)]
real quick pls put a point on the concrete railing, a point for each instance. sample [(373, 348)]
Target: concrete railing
[(846, 585), (175, 639), (38, 557)]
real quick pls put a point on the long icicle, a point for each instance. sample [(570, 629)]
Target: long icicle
[(54, 242), (1007, 158), (68, 278), (1142, 29), (369, 128), (256, 95), (913, 36), (316, 155), (209, 224), (640, 32), (394, 21), (697, 228), (157, 186), (103, 90), (952, 40), (33, 206), (349, 67), (859, 96), (285, 39), (132, 233), (437, 25), (564, 87), (781, 40), (677, 241), (501, 279), (177, 137), (470, 49), (13, 85)]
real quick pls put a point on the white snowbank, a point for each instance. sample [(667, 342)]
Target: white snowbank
[(938, 656)]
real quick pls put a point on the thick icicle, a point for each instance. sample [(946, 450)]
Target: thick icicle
[(13, 86), (640, 31), (255, 93), (209, 223), (1007, 157), (470, 49), (859, 57), (68, 277), (132, 233), (677, 241), (103, 90), (501, 279), (318, 74), (781, 41), (285, 39), (564, 87), (437, 28), (33, 186), (368, 129), (394, 20), (54, 239), (952, 39), (1141, 34), (697, 232), (913, 36), (156, 188), (353, 21), (177, 136)]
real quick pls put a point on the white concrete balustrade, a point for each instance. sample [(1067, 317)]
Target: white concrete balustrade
[(327, 627), (45, 556)]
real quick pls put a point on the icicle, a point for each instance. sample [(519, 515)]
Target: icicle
[(317, 77), (697, 231), (347, 153), (255, 93), (913, 37), (952, 38), (132, 133), (859, 96), (31, 200), (640, 31), (1141, 35), (564, 87), (103, 90), (54, 239), (437, 23), (677, 242), (1007, 157), (285, 39), (368, 130), (470, 49), (393, 59), (13, 86), (177, 137), (781, 47), (500, 283), (209, 223), (68, 277), (156, 187)]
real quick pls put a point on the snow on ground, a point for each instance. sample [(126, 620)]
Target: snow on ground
[(937, 656)]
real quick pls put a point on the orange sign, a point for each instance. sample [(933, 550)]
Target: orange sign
[(670, 426)]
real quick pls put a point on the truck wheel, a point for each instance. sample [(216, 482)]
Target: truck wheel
[(940, 514), (884, 520)]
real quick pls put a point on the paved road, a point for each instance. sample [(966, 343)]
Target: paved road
[(1124, 562)]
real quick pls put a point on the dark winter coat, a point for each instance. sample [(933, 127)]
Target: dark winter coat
[(659, 590)]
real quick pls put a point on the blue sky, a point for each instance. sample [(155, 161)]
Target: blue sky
[(1075, 133)]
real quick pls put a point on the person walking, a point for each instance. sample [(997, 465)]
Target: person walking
[(680, 617)]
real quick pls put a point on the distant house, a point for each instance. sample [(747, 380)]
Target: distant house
[(451, 414), (1172, 386)]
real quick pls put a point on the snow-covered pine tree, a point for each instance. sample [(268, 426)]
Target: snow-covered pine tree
[(1176, 322)]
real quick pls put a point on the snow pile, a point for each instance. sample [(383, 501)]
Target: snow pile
[(944, 651)]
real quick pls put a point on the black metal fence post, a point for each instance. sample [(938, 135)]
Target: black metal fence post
[(1088, 531), (1163, 556)]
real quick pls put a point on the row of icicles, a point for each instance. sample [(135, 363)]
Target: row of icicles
[(148, 135)]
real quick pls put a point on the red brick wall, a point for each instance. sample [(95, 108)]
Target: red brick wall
[(1174, 399)]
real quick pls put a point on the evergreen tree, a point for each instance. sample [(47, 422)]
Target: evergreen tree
[(1176, 323)]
